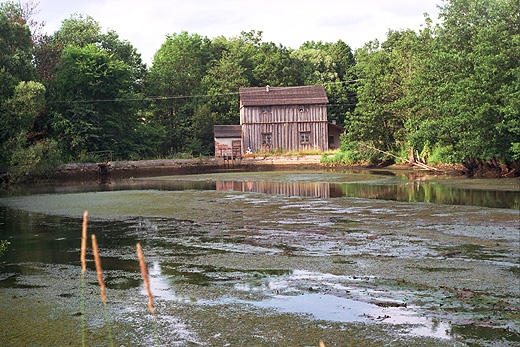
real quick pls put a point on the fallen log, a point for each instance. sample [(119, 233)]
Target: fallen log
[(421, 165)]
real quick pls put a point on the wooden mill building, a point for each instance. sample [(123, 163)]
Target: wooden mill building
[(286, 118)]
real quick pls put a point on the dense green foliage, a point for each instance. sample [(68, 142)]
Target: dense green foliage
[(4, 244), (448, 92), (87, 111)]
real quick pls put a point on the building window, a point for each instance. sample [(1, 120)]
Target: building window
[(265, 109), (305, 137), (266, 139)]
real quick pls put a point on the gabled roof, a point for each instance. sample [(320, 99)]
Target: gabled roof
[(337, 127), (278, 96), (227, 131)]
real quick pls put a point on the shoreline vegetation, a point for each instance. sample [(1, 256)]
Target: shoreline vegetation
[(143, 168), (475, 168), (260, 162)]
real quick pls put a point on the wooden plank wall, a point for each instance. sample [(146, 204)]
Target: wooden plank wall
[(285, 124)]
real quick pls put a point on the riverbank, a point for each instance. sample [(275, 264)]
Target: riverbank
[(162, 167)]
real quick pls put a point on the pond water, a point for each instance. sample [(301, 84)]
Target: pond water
[(268, 258)]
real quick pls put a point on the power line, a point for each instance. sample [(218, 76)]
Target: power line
[(342, 82), (155, 98), (148, 98)]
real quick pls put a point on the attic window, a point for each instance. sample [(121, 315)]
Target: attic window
[(303, 108), (265, 109)]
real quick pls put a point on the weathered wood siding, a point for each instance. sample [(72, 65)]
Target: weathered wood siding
[(285, 124)]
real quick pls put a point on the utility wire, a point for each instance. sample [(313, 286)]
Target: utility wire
[(148, 98), (154, 98)]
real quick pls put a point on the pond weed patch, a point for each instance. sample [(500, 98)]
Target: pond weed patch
[(229, 261)]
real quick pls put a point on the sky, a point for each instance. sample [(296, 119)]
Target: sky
[(146, 23)]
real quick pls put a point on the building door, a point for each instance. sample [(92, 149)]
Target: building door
[(236, 148)]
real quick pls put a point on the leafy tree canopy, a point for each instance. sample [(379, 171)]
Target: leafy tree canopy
[(87, 111)]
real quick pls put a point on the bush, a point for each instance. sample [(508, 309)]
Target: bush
[(515, 150), (38, 161), (3, 246), (351, 152), (442, 155)]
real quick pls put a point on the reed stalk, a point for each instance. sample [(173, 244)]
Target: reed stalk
[(144, 273), (146, 280), (99, 271), (83, 256), (83, 259)]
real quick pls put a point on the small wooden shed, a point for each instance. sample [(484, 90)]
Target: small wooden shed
[(335, 132), (228, 140), (288, 118)]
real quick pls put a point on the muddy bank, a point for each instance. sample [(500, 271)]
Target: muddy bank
[(165, 167)]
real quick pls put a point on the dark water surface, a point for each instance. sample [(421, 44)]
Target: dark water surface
[(404, 186), (254, 259)]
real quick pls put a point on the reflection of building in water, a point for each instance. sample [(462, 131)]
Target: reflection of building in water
[(408, 191), (315, 189)]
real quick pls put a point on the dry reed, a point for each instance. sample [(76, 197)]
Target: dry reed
[(144, 273), (99, 269), (83, 256), (83, 259)]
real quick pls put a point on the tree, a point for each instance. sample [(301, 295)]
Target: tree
[(222, 83), (273, 65), (19, 116), (27, 102), (92, 106), (15, 70), (173, 81), (28, 157), (386, 72), (79, 31), (23, 14), (94, 81), (330, 64), (468, 91), (15, 56), (35, 161), (202, 138)]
